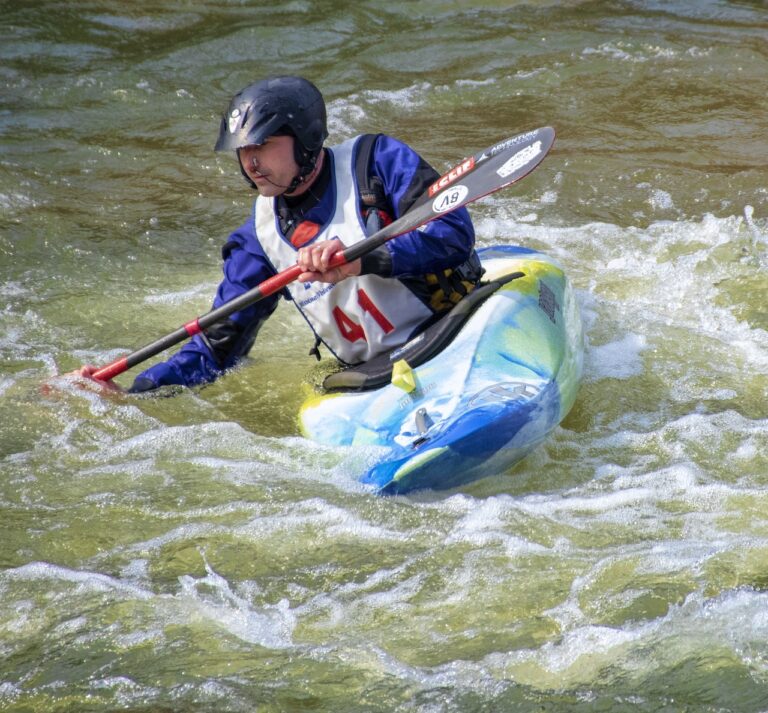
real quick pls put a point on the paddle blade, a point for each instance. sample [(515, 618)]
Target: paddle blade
[(490, 170), (484, 173)]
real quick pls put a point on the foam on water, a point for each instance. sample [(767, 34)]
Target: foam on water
[(17, 201), (617, 360), (735, 621), (167, 553), (211, 597), (200, 602), (733, 624), (670, 274), (81, 581), (633, 52), (344, 115), (182, 297), (324, 520)]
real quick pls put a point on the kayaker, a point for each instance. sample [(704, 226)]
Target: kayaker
[(313, 201)]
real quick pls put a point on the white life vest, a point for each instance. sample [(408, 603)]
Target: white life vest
[(359, 317)]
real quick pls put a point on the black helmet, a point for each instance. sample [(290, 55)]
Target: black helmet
[(277, 105)]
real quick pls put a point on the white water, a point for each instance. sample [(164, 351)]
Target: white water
[(194, 553)]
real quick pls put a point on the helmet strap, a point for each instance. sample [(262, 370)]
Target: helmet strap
[(307, 161)]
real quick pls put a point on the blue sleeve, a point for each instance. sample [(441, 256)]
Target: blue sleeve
[(203, 359), (443, 243)]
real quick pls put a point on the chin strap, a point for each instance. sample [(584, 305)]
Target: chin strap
[(307, 160)]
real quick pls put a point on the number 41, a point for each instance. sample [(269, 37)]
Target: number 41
[(351, 330)]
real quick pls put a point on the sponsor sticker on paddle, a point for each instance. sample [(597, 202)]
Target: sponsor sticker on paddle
[(450, 199), (520, 159), (454, 174), (503, 145)]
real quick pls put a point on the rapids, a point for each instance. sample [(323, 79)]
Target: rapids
[(194, 553)]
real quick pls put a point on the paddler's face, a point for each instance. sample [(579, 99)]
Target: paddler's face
[(271, 165)]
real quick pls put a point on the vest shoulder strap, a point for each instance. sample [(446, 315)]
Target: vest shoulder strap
[(370, 186)]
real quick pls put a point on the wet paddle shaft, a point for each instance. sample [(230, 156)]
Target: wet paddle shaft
[(490, 170)]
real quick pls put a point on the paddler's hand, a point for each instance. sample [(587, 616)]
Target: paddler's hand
[(314, 260), (83, 377)]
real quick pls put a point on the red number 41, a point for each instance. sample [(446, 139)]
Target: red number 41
[(351, 330)]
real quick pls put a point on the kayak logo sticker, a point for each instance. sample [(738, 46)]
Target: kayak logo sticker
[(233, 117), (455, 173), (520, 159), (416, 395), (450, 199), (503, 392), (548, 302)]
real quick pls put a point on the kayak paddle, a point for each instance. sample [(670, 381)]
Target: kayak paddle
[(488, 171)]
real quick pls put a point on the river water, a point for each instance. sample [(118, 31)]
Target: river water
[(195, 553)]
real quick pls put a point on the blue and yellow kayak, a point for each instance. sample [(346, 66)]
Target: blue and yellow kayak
[(471, 396)]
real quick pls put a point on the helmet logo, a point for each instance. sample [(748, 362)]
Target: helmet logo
[(233, 117)]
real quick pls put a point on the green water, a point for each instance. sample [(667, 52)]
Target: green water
[(195, 554)]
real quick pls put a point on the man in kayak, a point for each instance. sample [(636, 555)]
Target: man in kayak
[(314, 201)]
